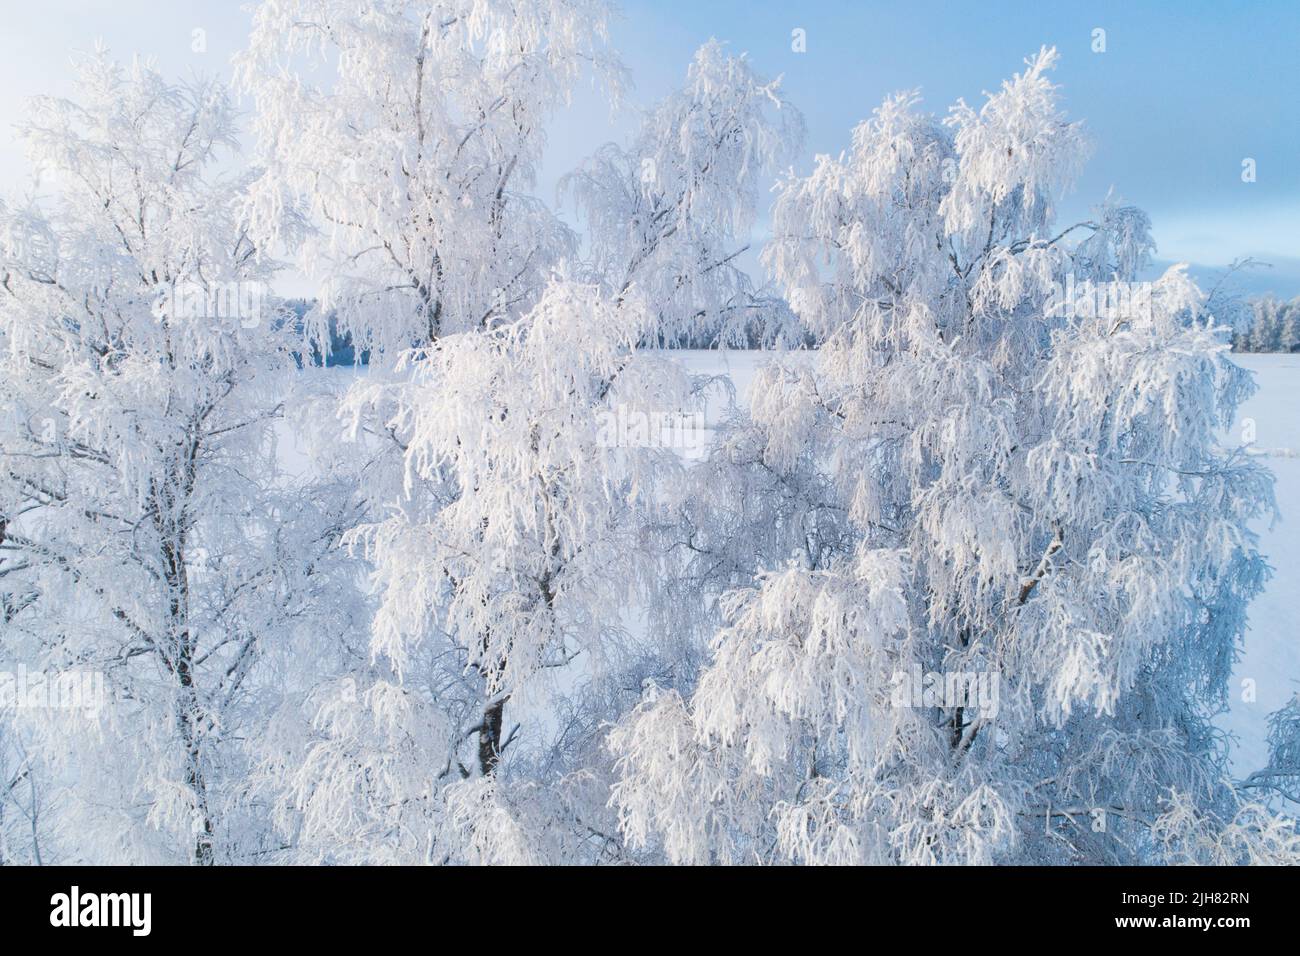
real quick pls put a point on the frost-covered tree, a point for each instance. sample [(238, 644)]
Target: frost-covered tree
[(400, 139), (1247, 833), (673, 212), (1011, 568), (501, 520), (1281, 776), (22, 824), (142, 536), (489, 596)]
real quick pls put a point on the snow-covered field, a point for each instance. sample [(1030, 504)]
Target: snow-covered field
[(1272, 653), (1271, 657)]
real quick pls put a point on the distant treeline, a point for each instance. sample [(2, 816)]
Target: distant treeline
[(1275, 327), (344, 352)]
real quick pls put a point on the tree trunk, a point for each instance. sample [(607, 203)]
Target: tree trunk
[(190, 716), (489, 737), (189, 721)]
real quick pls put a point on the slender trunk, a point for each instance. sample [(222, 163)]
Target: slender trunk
[(32, 817), (957, 725), (191, 718), (489, 737)]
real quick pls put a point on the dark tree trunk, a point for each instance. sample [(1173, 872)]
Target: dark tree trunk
[(489, 738), (190, 716)]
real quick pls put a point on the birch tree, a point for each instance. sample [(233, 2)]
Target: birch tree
[(1016, 445), (673, 212), (400, 140), (497, 526), (142, 538)]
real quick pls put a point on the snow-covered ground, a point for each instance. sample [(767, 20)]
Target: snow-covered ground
[(1272, 653), (1271, 657)]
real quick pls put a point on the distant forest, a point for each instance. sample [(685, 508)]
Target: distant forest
[(1274, 328)]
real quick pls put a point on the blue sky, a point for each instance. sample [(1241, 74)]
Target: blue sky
[(1183, 93)]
